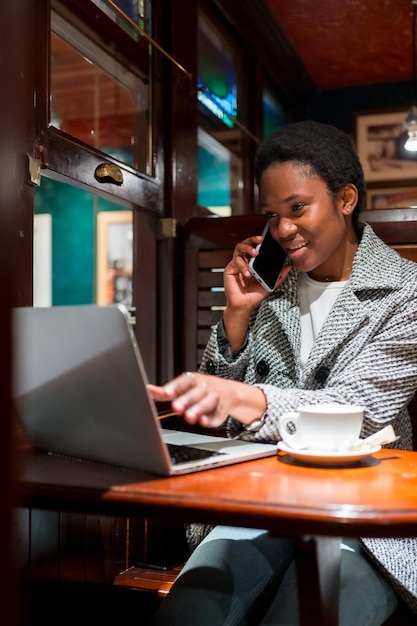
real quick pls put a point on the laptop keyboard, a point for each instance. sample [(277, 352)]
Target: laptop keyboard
[(182, 454)]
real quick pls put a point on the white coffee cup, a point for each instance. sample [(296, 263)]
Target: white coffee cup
[(327, 427)]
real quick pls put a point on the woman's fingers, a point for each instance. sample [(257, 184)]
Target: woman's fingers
[(199, 401), (173, 388), (193, 397), (181, 384), (246, 249), (157, 393)]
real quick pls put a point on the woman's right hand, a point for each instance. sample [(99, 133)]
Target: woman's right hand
[(210, 400), (243, 292)]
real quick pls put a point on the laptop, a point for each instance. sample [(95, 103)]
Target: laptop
[(79, 388)]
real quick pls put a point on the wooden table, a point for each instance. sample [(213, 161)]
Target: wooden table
[(316, 506)]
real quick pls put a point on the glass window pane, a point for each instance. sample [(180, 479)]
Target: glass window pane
[(97, 100), (214, 175), (137, 11), (220, 187), (82, 247), (217, 74)]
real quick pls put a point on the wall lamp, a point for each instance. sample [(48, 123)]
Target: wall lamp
[(411, 119), (411, 125)]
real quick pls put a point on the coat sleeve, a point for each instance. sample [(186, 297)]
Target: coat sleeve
[(218, 358)]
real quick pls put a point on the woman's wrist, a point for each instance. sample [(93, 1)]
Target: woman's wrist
[(249, 405), (236, 324)]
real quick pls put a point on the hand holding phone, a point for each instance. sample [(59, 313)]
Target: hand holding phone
[(267, 265)]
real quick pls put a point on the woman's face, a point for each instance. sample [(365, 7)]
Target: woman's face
[(312, 225)]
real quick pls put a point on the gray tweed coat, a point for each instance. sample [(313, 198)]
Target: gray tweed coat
[(366, 354)]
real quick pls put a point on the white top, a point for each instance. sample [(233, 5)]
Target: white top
[(316, 300)]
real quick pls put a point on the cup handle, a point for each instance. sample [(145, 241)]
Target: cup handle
[(288, 430)]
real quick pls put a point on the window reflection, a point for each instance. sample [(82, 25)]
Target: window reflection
[(114, 257), (273, 114), (96, 99), (217, 74)]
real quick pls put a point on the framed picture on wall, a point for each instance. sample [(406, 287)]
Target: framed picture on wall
[(392, 198), (380, 139), (114, 257)]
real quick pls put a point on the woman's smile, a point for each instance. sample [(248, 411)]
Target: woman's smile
[(295, 250)]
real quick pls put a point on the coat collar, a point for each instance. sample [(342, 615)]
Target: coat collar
[(375, 265)]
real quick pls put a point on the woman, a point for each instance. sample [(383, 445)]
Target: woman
[(340, 326)]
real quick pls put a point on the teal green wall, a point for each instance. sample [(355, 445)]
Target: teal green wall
[(73, 238), (213, 179)]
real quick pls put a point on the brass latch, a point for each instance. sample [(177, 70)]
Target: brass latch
[(36, 164), (168, 227), (109, 173)]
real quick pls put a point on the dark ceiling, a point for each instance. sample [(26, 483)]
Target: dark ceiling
[(345, 43)]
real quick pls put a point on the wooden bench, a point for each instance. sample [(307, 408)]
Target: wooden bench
[(147, 579)]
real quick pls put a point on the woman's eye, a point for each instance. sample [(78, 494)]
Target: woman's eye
[(298, 206), (270, 214)]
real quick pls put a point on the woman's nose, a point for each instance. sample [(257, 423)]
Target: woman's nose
[(284, 228)]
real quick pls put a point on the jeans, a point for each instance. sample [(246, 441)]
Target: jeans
[(243, 577)]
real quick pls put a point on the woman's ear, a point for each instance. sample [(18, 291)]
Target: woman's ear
[(349, 198)]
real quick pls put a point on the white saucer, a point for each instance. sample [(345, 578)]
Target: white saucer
[(325, 457)]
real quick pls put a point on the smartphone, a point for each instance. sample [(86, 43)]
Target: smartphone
[(267, 266)]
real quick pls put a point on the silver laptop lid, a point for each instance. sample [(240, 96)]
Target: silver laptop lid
[(80, 386)]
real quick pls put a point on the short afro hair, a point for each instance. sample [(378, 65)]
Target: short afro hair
[(328, 151)]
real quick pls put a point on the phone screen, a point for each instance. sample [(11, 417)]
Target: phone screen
[(267, 266)]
